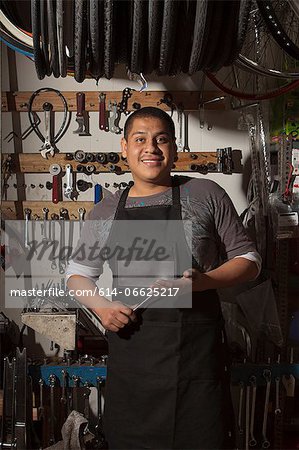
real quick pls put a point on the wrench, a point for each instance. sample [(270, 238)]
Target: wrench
[(81, 212), (47, 147), (44, 224), (277, 408), (86, 399), (247, 415), (62, 259), (40, 412), (52, 380), (75, 402), (180, 138), (52, 224), (55, 170), (69, 182), (102, 112), (186, 145), (241, 384), (252, 381), (267, 376), (113, 117), (27, 212), (99, 425)]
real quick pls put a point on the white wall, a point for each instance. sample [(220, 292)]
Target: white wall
[(224, 132)]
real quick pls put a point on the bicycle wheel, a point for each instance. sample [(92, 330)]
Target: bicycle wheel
[(198, 35), (39, 60), (263, 70), (155, 19), (54, 59), (45, 37), (80, 40), (283, 23)]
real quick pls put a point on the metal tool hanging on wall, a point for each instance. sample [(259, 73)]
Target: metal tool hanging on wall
[(50, 139)]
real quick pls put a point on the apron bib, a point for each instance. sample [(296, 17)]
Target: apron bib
[(165, 376)]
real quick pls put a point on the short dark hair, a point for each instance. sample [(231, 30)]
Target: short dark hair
[(149, 111)]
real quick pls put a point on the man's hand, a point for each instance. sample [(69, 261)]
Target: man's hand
[(185, 283), (115, 316)]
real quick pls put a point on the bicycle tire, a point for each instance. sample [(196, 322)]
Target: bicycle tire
[(122, 49), (139, 36), (247, 64), (154, 26), (276, 29), (54, 59), (253, 96), (80, 40), (15, 32), (8, 39), (109, 50), (214, 32), (39, 61), (244, 11), (183, 40), (60, 38), (96, 25), (169, 29), (44, 37), (198, 35)]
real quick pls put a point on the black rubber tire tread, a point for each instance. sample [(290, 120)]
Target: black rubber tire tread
[(139, 36), (277, 30), (169, 30), (198, 35), (80, 40), (109, 44), (189, 42), (45, 37), (124, 43), (155, 20), (206, 50), (52, 33), (60, 38), (227, 31), (182, 39), (39, 60), (96, 34)]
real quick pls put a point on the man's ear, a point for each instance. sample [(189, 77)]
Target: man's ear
[(124, 147), (175, 157)]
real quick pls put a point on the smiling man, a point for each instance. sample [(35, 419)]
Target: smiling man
[(166, 384)]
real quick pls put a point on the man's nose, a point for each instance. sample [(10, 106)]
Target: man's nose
[(152, 146)]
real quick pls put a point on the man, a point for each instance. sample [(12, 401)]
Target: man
[(166, 375)]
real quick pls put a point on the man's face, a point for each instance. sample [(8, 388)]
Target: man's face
[(150, 150)]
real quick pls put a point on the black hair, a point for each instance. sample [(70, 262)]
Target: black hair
[(149, 111)]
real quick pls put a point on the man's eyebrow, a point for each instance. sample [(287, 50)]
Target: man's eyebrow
[(157, 134)]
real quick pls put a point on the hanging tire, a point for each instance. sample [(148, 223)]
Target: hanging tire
[(139, 36), (169, 29), (80, 40), (96, 33), (39, 61), (54, 59), (198, 35), (61, 37), (109, 49)]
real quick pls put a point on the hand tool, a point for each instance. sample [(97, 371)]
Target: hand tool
[(113, 157), (52, 382), (97, 193), (247, 417), (89, 157), (69, 182), (47, 147), (41, 409), (267, 376), (102, 113), (44, 224), (277, 408), (186, 135), (8, 410), (63, 213), (27, 212), (55, 170), (113, 118), (252, 381), (81, 212), (75, 402), (180, 135), (240, 410), (22, 396), (54, 217), (99, 424), (81, 115), (123, 105), (101, 158), (79, 156), (83, 185), (86, 395), (63, 398)]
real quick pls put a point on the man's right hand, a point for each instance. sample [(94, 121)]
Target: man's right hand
[(115, 316)]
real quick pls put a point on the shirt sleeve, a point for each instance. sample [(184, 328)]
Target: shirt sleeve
[(234, 240)]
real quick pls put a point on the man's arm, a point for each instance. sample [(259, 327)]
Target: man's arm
[(113, 315)]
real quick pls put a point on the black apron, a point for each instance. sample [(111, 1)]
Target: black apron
[(165, 374)]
